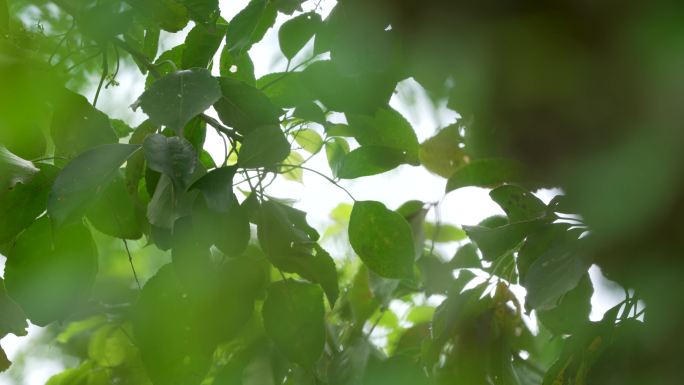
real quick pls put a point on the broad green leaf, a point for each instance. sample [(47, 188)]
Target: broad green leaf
[(443, 232), (229, 230), (420, 314), (293, 318), (201, 44), (335, 151), (13, 318), (217, 188), (285, 89), (296, 32), (83, 178), (244, 107), (443, 154), (369, 160), (13, 170), (171, 15), (88, 374), (179, 96), (466, 257), (237, 67), (202, 11), (249, 26), (388, 128), (115, 212), (168, 204), (50, 273), (485, 173), (77, 126), (263, 147), (168, 62), (554, 273), (309, 139), (382, 239), (518, 203), (436, 275), (495, 242), (4, 361), (121, 128), (288, 7), (572, 310), (311, 112), (292, 172), (22, 204), (175, 157)]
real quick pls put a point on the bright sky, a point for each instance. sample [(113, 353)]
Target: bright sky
[(316, 196)]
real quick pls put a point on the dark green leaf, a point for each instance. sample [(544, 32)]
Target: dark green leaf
[(115, 213), (77, 126), (263, 147), (4, 361), (201, 44), (240, 67), (171, 15), (168, 62), (311, 112), (293, 318), (443, 232), (518, 203), (296, 32), (168, 204), (175, 157), (49, 273), (83, 178), (388, 128), (466, 257), (180, 96), (202, 11), (382, 239), (572, 310), (249, 26), (288, 7), (285, 89), (369, 160), (485, 173), (217, 188), (244, 107), (436, 276), (442, 153), (229, 231), (495, 242), (121, 128)]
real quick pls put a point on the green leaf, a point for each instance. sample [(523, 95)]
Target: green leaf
[(495, 242), (369, 160), (288, 7), (179, 96), (83, 178), (466, 257), (171, 15), (518, 203), (175, 157), (168, 62), (4, 16), (115, 213), (388, 128), (557, 271), (293, 173), (77, 126), (50, 273), (485, 173), (244, 107), (168, 204), (4, 361), (14, 170), (443, 233), (309, 139), (311, 112), (263, 147), (335, 151), (443, 154), (121, 128), (13, 318), (249, 26), (201, 44), (296, 32), (237, 67), (420, 314), (202, 11), (285, 89), (110, 346), (572, 310), (293, 318), (382, 239), (229, 230), (217, 188)]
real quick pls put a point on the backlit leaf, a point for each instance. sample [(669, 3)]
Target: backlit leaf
[(263, 147), (296, 32), (485, 173)]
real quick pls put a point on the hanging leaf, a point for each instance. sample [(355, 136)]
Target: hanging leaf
[(572, 310), (335, 151), (175, 157), (311, 112), (382, 239), (237, 67), (201, 44), (443, 154), (50, 273), (495, 242), (244, 107), (263, 147), (485, 173), (388, 128), (171, 15), (443, 232), (201, 11), (309, 139), (249, 26), (13, 318), (284, 89), (292, 172), (293, 318), (296, 32), (81, 181), (13, 170), (179, 96), (115, 213), (217, 188), (466, 257), (369, 160)]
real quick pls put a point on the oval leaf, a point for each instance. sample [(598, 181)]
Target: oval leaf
[(263, 147), (485, 173), (369, 160), (382, 239), (172, 156), (295, 33)]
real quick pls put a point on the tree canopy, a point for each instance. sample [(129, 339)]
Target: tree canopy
[(149, 261)]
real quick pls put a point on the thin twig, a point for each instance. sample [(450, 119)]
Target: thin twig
[(321, 175), (105, 72), (130, 261)]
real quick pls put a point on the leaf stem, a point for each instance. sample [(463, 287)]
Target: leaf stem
[(321, 175)]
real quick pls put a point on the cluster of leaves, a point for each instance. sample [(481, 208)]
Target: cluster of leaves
[(250, 295)]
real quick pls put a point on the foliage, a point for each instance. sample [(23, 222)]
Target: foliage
[(240, 289)]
